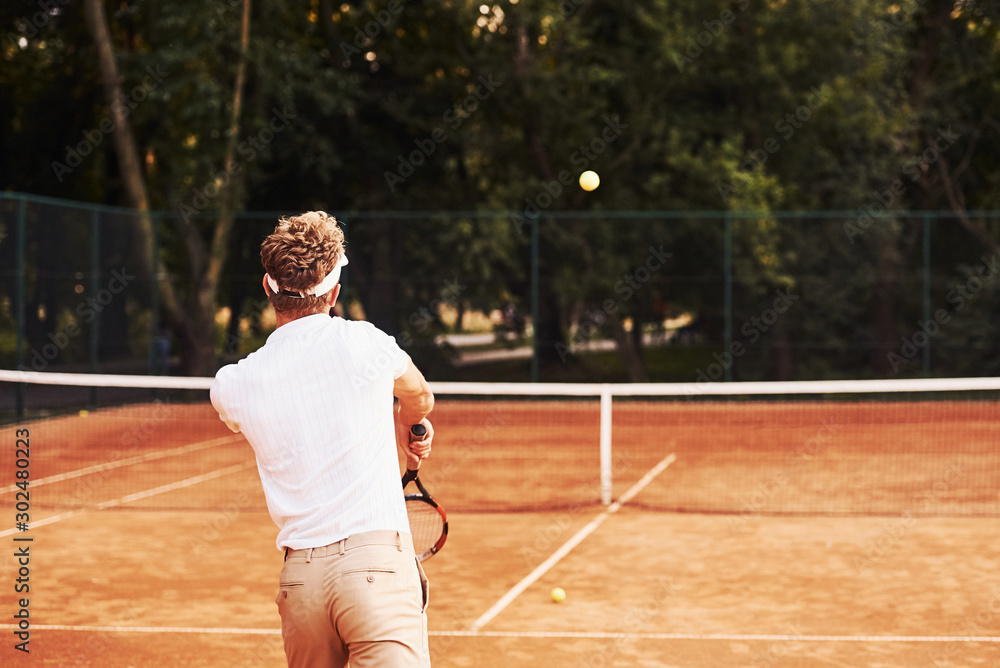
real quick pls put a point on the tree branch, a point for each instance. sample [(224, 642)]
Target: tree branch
[(973, 141), (957, 203), (231, 192), (128, 158)]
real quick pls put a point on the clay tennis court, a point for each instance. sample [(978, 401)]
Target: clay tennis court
[(810, 533)]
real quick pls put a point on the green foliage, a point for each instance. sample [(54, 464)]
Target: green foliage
[(725, 105)]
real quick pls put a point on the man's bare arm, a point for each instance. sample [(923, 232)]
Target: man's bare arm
[(415, 403)]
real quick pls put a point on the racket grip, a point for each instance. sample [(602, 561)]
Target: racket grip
[(417, 433)]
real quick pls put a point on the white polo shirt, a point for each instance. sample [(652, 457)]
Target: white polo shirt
[(315, 403)]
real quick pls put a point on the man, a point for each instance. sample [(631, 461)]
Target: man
[(316, 404)]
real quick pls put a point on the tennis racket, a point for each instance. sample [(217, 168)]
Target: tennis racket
[(428, 521)]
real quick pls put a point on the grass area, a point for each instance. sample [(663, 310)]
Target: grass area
[(664, 364), (503, 344)]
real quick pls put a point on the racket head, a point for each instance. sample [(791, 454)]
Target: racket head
[(428, 525)]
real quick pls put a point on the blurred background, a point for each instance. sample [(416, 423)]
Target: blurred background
[(790, 190)]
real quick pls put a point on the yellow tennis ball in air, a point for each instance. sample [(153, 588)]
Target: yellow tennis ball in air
[(589, 180), (558, 594)]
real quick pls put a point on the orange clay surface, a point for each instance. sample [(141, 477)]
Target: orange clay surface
[(167, 557)]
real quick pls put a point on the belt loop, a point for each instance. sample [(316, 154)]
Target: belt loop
[(309, 555), (399, 542), (341, 543)]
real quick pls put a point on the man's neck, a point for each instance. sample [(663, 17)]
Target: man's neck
[(283, 319)]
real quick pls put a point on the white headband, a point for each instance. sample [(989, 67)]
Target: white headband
[(320, 288)]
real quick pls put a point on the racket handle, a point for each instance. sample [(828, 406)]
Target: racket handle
[(417, 432)]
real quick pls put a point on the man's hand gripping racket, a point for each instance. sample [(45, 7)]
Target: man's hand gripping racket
[(428, 521)]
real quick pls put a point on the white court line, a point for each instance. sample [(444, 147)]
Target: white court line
[(709, 636), (569, 635), (544, 567), (147, 629), (169, 487), (128, 498), (118, 463)]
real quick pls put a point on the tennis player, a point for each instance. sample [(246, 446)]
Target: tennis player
[(316, 404)]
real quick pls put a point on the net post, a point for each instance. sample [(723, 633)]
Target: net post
[(534, 300), (94, 287), (345, 276), (606, 445), (153, 363), (20, 299), (727, 332), (927, 291), (95, 284)]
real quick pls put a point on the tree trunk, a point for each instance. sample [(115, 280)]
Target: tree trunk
[(377, 279), (782, 362), (200, 358), (237, 295), (628, 349), (193, 323), (131, 166), (330, 32), (551, 338), (125, 146), (886, 288)]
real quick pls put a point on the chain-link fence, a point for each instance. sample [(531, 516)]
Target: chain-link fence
[(532, 295)]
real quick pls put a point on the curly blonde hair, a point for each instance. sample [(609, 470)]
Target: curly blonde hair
[(300, 252)]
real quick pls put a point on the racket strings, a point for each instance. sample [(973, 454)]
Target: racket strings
[(426, 524)]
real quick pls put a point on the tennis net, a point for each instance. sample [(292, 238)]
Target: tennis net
[(916, 447)]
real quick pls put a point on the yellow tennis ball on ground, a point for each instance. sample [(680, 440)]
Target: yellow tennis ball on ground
[(84, 413), (589, 180), (558, 594)]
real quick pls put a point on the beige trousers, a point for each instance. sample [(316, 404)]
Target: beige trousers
[(361, 599)]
